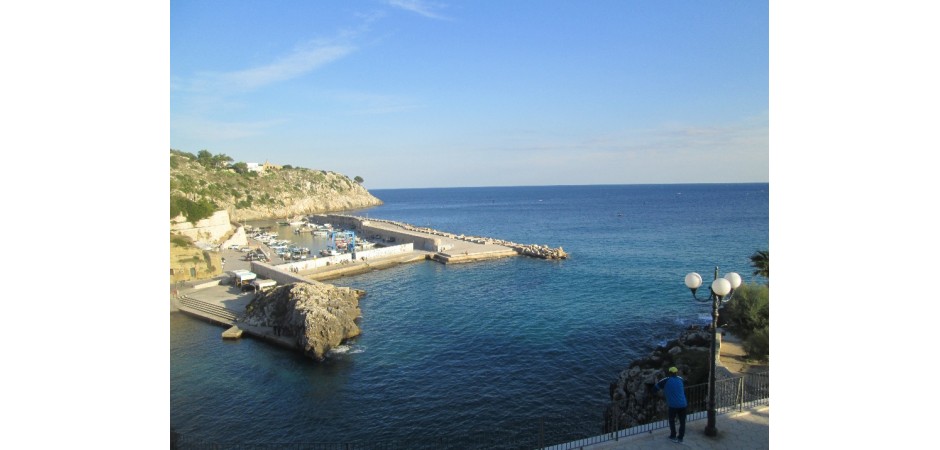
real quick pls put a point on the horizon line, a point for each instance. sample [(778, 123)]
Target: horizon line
[(573, 185)]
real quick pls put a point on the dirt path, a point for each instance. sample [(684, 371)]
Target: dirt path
[(732, 356)]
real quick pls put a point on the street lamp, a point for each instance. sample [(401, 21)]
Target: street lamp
[(722, 289)]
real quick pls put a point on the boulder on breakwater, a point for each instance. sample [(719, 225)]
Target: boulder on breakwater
[(541, 251), (318, 316)]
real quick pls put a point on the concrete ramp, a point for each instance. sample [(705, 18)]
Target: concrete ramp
[(232, 333)]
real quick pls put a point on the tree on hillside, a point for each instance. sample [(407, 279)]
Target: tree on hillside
[(208, 160), (204, 158), (760, 260), (240, 167), (358, 179), (221, 160)]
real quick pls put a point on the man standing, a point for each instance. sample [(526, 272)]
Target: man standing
[(674, 388)]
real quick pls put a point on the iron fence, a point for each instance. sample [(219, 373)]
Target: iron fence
[(731, 394)]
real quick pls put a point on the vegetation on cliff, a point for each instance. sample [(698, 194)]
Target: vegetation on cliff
[(203, 182), (747, 315)]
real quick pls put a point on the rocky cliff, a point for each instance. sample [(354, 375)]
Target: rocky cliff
[(319, 316), (276, 192)]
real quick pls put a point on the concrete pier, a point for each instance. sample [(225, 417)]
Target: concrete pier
[(443, 247)]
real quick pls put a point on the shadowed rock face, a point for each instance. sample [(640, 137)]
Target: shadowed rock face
[(319, 316), (632, 400)]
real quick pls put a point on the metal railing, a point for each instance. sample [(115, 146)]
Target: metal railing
[(731, 394)]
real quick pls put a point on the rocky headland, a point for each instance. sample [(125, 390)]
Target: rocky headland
[(318, 316), (274, 192)]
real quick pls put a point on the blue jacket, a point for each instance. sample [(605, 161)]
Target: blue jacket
[(674, 387)]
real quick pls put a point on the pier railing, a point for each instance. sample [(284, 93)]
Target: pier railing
[(731, 395)]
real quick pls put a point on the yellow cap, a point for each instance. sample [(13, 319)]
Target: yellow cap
[(673, 369)]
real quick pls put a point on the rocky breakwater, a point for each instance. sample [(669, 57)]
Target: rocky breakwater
[(318, 316), (632, 399), (537, 251)]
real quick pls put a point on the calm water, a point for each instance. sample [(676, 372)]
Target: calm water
[(457, 353)]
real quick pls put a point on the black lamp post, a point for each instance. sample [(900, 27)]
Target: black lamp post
[(721, 291)]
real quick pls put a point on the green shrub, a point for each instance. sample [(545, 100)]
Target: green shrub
[(757, 345), (180, 240), (748, 311), (747, 315), (193, 211)]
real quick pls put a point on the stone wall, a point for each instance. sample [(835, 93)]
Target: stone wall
[(275, 273), (209, 230), (324, 261)]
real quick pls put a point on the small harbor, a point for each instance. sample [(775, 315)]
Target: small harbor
[(355, 245)]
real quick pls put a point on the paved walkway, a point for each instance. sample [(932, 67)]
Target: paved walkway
[(749, 429)]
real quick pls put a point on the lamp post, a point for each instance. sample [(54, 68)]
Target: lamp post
[(722, 289)]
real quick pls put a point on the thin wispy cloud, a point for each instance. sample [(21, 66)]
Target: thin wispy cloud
[(426, 9), (207, 92), (301, 62)]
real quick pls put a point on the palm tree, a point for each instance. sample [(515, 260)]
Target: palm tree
[(761, 262)]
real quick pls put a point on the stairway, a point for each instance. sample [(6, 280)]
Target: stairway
[(207, 310)]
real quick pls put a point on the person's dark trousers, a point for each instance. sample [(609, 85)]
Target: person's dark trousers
[(673, 413)]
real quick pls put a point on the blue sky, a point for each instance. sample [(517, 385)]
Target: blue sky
[(414, 93)]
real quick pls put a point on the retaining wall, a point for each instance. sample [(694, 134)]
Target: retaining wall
[(275, 273), (324, 261)]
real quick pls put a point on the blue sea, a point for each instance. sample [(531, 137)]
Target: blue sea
[(510, 353)]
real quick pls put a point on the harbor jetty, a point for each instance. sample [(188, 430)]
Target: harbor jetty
[(446, 247)]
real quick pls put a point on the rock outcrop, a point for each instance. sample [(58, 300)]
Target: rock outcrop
[(319, 316), (632, 400)]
